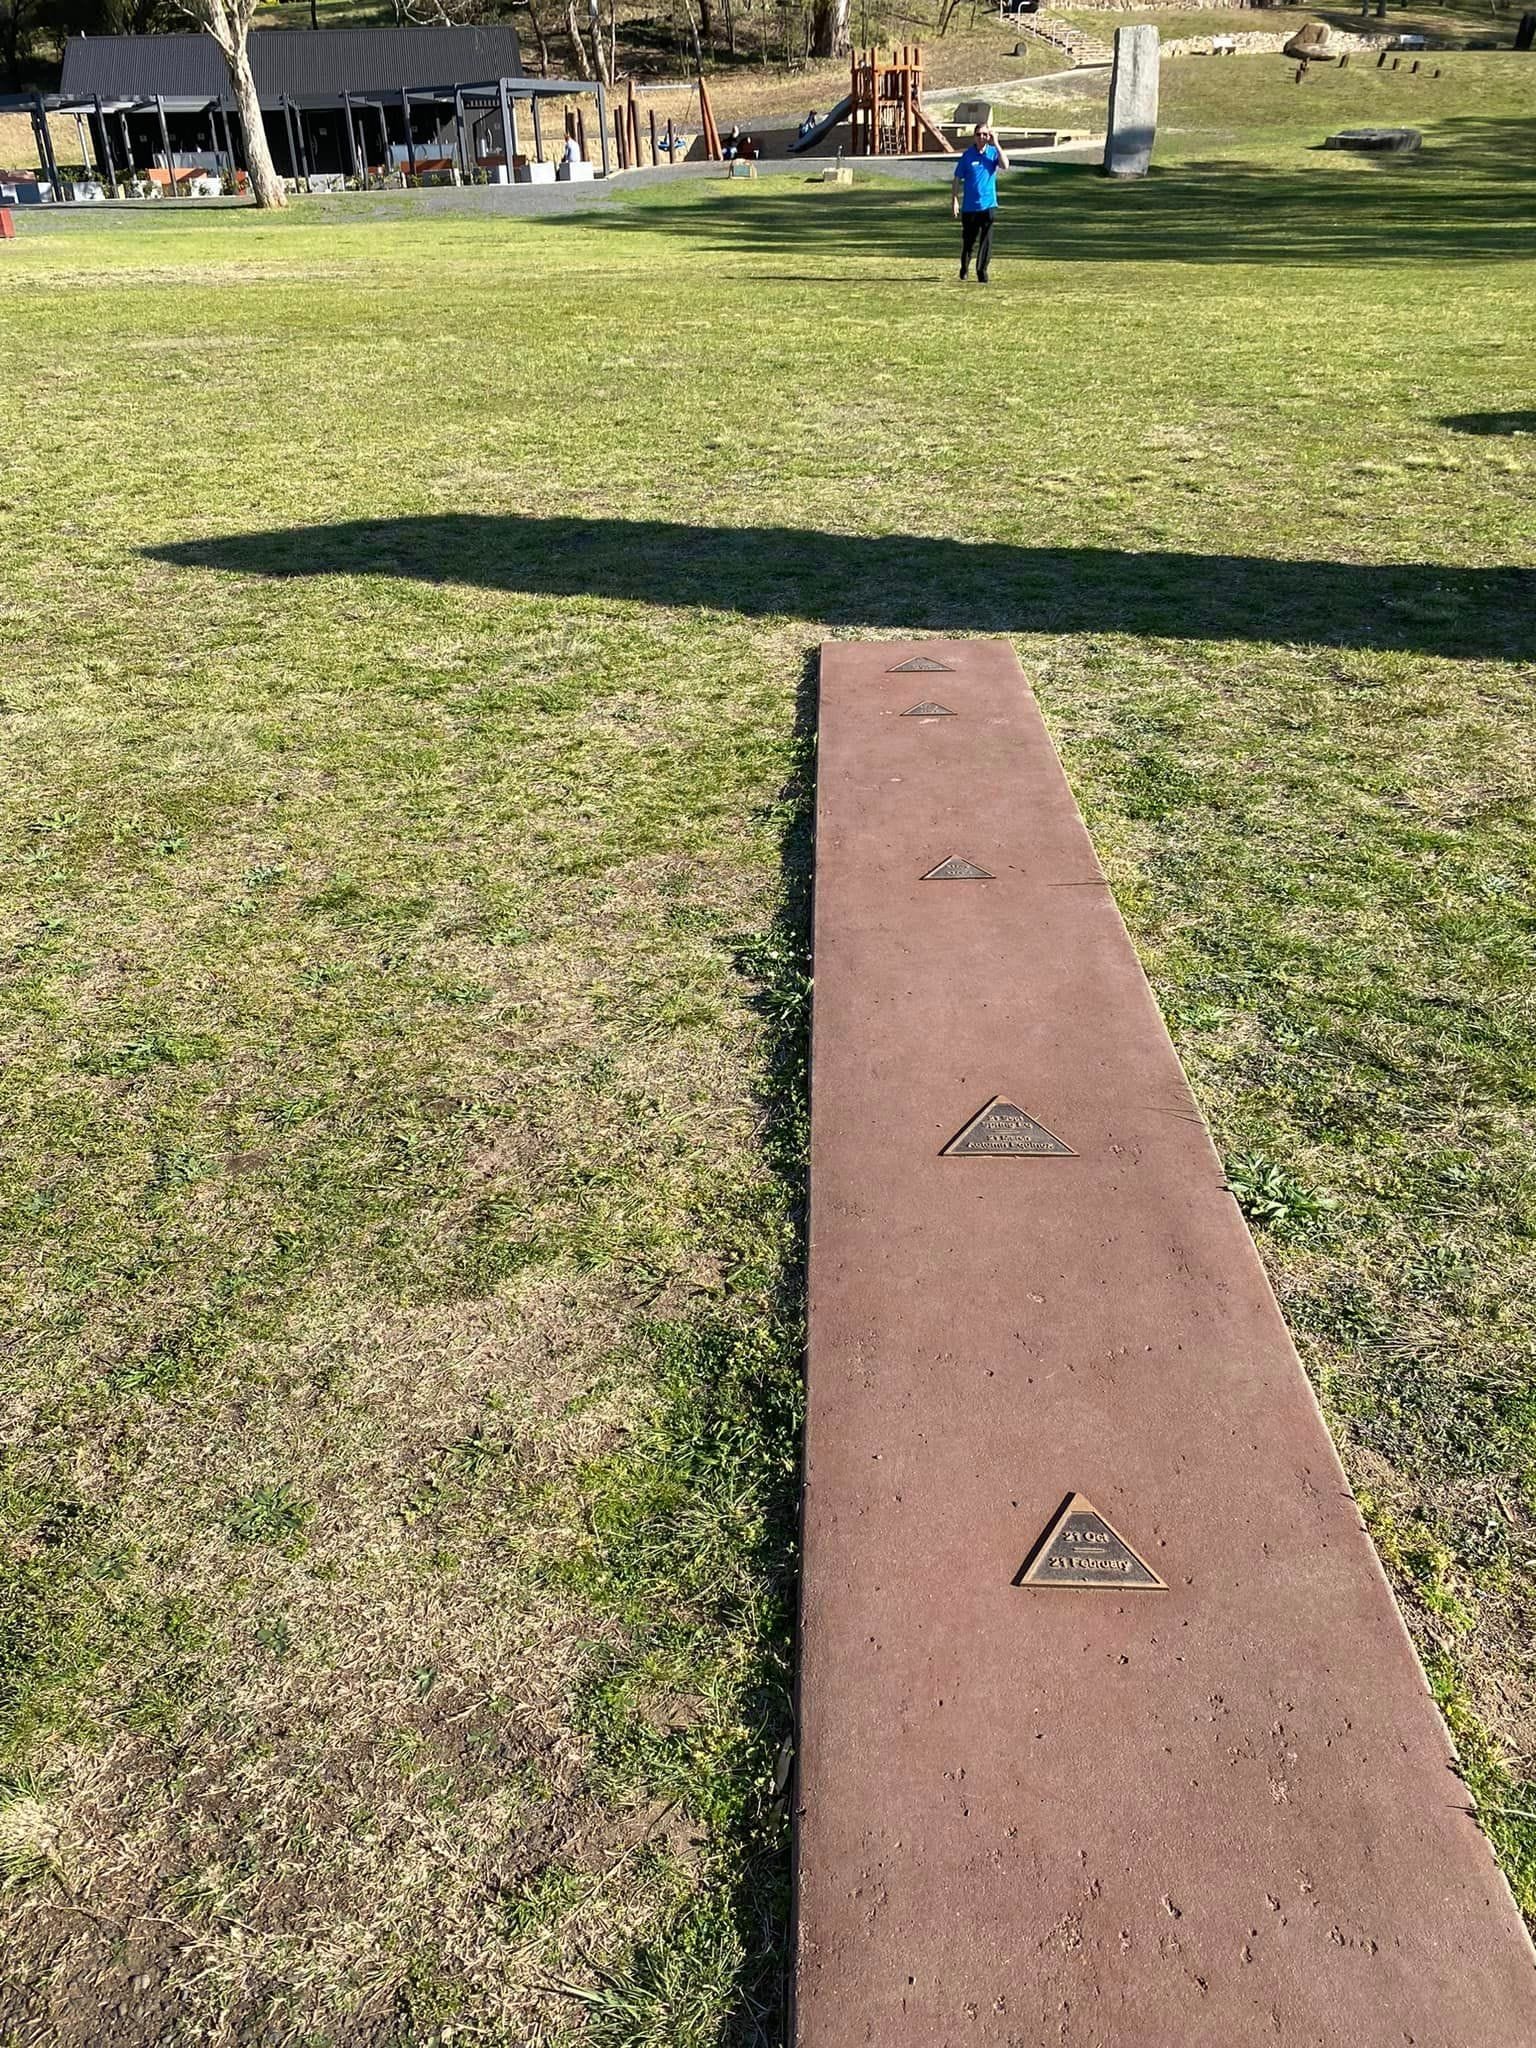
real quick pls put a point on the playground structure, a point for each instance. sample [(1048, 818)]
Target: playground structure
[(667, 143), (883, 109)]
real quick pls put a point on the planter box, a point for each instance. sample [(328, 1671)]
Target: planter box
[(574, 174), (536, 174)]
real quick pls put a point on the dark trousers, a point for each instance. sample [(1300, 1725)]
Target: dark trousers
[(976, 238)]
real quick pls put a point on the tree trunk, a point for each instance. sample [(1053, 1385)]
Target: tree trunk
[(539, 37), (229, 23), (578, 43), (829, 28), (693, 34), (599, 47), (266, 185)]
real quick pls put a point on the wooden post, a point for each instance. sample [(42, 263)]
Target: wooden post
[(602, 126), (538, 131), (711, 130), (655, 149), (410, 141), (671, 141), (632, 123)]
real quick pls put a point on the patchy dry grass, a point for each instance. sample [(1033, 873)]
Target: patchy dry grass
[(402, 652)]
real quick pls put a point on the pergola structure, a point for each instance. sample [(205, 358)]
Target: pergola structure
[(343, 99), (471, 108)]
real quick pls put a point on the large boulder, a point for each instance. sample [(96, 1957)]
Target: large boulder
[(1310, 40)]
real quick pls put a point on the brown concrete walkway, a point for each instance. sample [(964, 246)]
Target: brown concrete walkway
[(1042, 1797)]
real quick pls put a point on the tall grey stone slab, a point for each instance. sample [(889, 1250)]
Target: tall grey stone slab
[(1132, 103)]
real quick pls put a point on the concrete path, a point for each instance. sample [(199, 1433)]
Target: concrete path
[(1110, 1733)]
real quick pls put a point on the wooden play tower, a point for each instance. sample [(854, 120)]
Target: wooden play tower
[(885, 106)]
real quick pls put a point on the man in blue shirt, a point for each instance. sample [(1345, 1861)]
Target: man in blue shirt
[(974, 202)]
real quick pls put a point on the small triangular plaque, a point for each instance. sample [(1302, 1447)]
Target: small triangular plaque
[(1080, 1549), (929, 711), (1003, 1128), (956, 869), (921, 665)]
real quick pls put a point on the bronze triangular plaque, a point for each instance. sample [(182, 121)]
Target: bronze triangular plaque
[(1079, 1548), (921, 665), (957, 869), (929, 711), (1003, 1128)]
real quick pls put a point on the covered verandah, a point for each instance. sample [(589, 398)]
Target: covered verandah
[(472, 128)]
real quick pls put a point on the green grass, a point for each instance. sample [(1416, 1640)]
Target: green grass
[(406, 633)]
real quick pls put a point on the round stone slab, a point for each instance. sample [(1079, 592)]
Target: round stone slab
[(1400, 140)]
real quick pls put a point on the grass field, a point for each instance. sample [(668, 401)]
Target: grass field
[(406, 653)]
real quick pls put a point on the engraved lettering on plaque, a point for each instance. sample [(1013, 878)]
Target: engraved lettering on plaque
[(957, 869), (1001, 1130), (1079, 1548), (921, 665), (929, 711)]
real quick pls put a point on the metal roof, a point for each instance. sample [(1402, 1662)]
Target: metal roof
[(298, 62)]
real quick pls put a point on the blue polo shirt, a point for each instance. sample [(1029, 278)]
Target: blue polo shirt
[(977, 172)]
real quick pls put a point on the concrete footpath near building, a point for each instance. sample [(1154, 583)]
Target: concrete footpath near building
[(1110, 1732)]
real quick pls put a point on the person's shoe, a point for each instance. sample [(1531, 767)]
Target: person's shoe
[(965, 277), (983, 280)]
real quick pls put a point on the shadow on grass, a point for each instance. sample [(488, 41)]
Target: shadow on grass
[(1468, 197), (1490, 422), (914, 581)]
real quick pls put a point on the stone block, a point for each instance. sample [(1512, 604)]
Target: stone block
[(1387, 141), (1132, 103)]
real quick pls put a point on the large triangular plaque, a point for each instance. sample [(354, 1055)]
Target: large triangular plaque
[(921, 665), (1079, 1548), (929, 711), (958, 869), (1003, 1129)]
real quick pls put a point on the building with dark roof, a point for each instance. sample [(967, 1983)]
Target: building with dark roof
[(352, 100), (299, 64)]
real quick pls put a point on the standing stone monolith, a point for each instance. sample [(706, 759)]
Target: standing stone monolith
[(1132, 103)]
